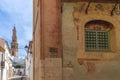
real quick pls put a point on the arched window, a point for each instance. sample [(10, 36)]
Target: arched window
[(97, 35), (13, 46), (12, 52)]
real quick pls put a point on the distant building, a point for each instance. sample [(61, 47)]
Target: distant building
[(19, 71), (19, 61), (14, 44), (19, 65)]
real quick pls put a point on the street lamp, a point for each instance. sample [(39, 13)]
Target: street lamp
[(27, 51), (26, 48)]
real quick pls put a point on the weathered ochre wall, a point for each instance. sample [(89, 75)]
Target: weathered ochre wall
[(73, 48), (47, 40), (37, 63)]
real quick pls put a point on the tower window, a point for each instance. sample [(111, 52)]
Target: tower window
[(13, 46), (13, 40), (12, 52)]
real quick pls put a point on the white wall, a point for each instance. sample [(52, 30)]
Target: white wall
[(29, 66), (7, 59)]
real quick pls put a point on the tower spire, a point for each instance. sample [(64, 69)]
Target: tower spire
[(14, 37), (14, 44)]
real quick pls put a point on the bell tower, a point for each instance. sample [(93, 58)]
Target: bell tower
[(14, 44)]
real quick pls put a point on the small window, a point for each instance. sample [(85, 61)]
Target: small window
[(96, 40), (53, 52), (98, 35)]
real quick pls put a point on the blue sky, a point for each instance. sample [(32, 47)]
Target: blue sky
[(18, 12)]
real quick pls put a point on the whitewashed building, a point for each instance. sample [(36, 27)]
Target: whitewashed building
[(1, 65), (6, 61), (29, 62)]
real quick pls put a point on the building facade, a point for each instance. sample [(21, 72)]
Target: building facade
[(1, 65), (47, 43), (29, 63), (76, 40), (6, 61)]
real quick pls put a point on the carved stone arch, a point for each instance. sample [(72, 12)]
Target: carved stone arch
[(99, 25), (102, 33), (96, 24)]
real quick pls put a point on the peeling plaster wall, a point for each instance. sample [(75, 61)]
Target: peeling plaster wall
[(108, 70)]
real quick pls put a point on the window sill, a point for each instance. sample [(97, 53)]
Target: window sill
[(99, 56)]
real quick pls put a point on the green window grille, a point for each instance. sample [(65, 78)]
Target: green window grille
[(96, 40)]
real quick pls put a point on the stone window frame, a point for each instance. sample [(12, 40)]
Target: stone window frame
[(97, 40), (89, 27)]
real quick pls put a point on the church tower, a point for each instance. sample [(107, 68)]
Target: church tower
[(14, 44)]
